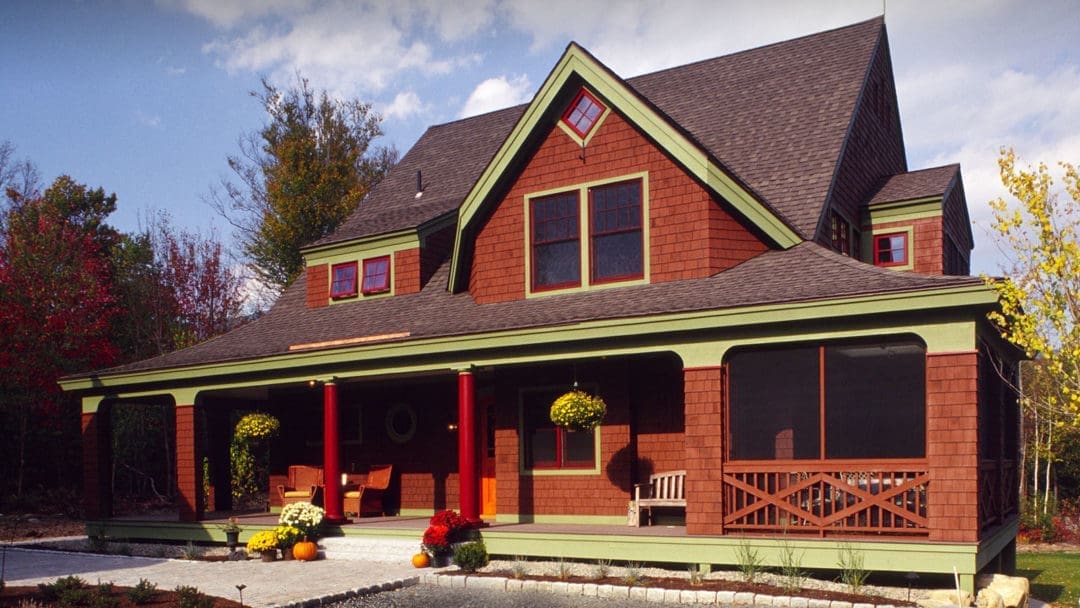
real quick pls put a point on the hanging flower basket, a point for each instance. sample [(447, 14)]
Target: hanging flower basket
[(578, 411)]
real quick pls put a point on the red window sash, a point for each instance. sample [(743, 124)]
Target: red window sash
[(575, 125), (376, 269), (536, 244), (593, 234), (347, 286), (883, 243)]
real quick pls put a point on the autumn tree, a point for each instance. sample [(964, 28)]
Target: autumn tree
[(18, 178), (56, 304), (1040, 300), (299, 176)]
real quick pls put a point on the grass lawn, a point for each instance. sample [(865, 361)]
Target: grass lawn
[(1055, 577)]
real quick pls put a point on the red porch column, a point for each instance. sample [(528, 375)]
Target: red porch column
[(331, 458), (468, 466), (702, 393), (188, 464), (97, 448)]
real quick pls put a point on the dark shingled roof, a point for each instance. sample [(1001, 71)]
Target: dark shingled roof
[(916, 184), (806, 272), (775, 117)]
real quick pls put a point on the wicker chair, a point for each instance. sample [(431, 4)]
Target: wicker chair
[(367, 497), (303, 485)]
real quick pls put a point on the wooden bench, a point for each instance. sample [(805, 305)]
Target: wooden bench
[(663, 490)]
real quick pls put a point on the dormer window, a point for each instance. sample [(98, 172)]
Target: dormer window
[(343, 280), (840, 233), (583, 113), (890, 249), (376, 275)]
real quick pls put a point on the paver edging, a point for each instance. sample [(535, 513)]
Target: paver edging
[(333, 598), (650, 594)]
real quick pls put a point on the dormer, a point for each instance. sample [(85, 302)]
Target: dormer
[(378, 266), (918, 222)]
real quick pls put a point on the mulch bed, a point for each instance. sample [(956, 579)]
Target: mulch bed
[(162, 598), (705, 585)]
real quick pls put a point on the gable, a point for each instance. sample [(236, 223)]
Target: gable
[(576, 69), (688, 232)]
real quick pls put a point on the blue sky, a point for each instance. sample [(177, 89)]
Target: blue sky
[(147, 98)]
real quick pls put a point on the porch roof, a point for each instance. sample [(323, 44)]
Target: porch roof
[(805, 273)]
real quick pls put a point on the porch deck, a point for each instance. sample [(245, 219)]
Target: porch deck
[(618, 543)]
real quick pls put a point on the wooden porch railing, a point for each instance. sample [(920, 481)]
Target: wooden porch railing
[(826, 498), (998, 492)]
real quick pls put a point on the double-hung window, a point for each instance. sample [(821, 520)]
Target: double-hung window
[(547, 446), (890, 249), (616, 244)]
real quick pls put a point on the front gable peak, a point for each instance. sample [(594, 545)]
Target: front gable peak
[(578, 93)]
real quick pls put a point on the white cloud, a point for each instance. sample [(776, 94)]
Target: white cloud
[(405, 105), (496, 93), (229, 13), (175, 71), (147, 120)]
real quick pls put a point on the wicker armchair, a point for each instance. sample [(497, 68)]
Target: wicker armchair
[(367, 497), (304, 485)]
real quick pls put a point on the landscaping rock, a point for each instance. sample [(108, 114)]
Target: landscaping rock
[(989, 598), (1014, 590), (940, 598)]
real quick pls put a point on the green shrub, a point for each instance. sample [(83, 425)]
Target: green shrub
[(470, 557), (190, 597), (750, 561), (142, 593), (51, 592)]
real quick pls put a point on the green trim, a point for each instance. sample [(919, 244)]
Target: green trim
[(589, 520), (416, 512), (402, 239), (991, 546), (904, 212), (615, 93), (584, 232), (592, 131), (637, 335), (92, 403)]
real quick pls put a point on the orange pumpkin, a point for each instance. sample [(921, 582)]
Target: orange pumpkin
[(421, 560), (305, 551)]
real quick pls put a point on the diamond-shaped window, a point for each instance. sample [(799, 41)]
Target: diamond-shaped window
[(583, 113)]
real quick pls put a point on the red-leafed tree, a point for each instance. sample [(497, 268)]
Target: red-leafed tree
[(56, 304)]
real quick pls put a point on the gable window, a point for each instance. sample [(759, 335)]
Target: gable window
[(842, 400), (583, 113), (617, 248), (556, 241), (376, 275), (547, 446), (343, 280), (840, 233), (890, 249)]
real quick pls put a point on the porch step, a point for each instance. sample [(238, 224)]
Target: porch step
[(369, 548)]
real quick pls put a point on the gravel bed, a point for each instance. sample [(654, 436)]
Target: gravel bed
[(425, 596), (166, 550)]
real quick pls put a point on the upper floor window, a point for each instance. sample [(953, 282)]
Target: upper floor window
[(547, 446), (839, 233), (556, 241), (343, 280), (616, 244), (376, 275), (583, 113), (890, 249), (615, 232)]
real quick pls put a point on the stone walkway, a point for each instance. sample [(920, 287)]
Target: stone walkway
[(278, 584)]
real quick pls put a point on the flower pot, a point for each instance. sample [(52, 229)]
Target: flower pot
[(232, 539), (269, 556), (286, 554), (440, 560)]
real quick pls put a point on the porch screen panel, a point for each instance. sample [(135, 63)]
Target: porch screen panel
[(541, 436), (775, 396), (875, 400)]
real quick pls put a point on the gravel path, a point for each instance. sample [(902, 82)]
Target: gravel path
[(424, 596)]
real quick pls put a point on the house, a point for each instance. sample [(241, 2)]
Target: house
[(733, 253)]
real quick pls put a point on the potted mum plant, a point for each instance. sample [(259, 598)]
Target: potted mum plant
[(577, 410), (304, 516), (264, 543), (443, 530), (232, 531), (287, 537)]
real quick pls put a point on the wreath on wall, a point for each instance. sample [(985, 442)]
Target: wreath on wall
[(578, 411)]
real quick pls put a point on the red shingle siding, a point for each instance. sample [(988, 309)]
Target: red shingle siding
[(874, 148), (434, 251), (407, 271), (318, 286), (656, 397), (96, 444), (188, 466), (952, 447), (926, 246), (682, 215), (704, 450)]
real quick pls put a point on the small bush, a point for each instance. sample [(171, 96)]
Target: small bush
[(51, 592), (853, 573), (190, 597), (519, 569), (190, 551), (791, 567), (696, 574), (632, 574), (562, 568), (142, 593), (603, 569), (750, 562), (470, 557)]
